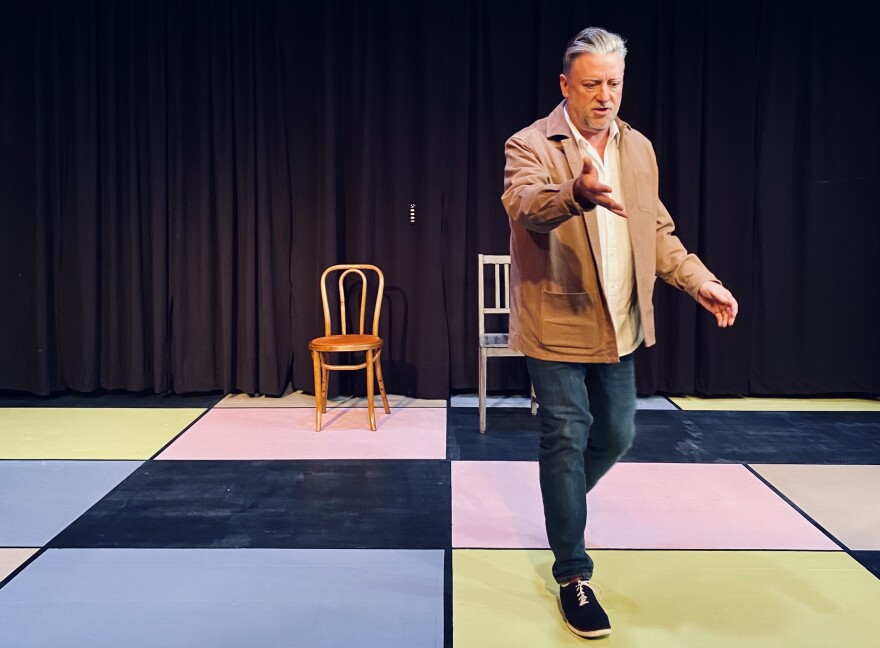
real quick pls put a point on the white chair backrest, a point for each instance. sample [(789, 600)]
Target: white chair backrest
[(493, 286)]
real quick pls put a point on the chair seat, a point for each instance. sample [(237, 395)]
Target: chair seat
[(494, 339), (346, 343)]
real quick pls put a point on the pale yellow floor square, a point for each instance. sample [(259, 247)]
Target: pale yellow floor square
[(89, 433), (672, 599), (845, 500), (12, 558), (756, 404), (301, 399)]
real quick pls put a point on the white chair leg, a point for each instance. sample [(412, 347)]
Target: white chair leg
[(533, 398), (482, 389)]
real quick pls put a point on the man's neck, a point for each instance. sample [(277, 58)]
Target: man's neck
[(597, 140)]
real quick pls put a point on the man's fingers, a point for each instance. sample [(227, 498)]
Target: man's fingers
[(598, 193), (588, 165), (727, 315), (616, 208), (611, 205), (720, 302), (730, 308)]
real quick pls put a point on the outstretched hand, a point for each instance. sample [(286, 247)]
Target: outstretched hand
[(587, 188), (719, 301)]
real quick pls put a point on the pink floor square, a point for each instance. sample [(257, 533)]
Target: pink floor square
[(289, 433), (497, 504)]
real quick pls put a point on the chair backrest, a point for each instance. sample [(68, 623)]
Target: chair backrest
[(356, 269), (493, 287)]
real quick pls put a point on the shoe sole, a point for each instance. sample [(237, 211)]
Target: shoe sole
[(588, 634)]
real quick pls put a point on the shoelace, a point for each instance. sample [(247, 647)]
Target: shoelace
[(581, 586)]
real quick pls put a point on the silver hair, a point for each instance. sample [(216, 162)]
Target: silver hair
[(592, 40)]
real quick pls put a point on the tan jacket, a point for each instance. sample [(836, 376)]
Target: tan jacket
[(558, 309)]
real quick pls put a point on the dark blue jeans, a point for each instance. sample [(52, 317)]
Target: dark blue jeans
[(587, 423)]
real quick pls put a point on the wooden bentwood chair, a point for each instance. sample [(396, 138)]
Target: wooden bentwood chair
[(494, 301), (367, 342)]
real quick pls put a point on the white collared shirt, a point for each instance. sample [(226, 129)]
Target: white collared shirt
[(618, 271)]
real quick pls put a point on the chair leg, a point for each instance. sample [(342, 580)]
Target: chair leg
[(378, 364), (319, 388), (482, 388), (533, 398), (325, 382), (370, 407)]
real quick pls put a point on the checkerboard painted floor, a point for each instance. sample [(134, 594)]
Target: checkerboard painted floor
[(209, 521)]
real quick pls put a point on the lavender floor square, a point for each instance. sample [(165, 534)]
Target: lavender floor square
[(255, 597), (38, 499)]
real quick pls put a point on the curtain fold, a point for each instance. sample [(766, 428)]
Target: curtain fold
[(174, 177)]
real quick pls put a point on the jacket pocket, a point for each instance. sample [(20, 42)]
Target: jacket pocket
[(569, 320), (646, 191)]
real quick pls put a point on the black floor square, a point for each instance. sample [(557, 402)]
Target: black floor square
[(102, 398), (757, 437), (870, 560), (272, 504), (675, 436)]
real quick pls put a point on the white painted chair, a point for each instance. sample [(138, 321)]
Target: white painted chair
[(493, 281)]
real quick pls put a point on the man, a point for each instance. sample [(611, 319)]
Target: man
[(588, 237)]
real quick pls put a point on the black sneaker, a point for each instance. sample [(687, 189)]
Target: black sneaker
[(581, 610)]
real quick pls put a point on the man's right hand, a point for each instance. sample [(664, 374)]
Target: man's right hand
[(588, 189)]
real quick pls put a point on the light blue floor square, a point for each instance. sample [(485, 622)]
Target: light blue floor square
[(38, 499), (472, 400), (226, 597)]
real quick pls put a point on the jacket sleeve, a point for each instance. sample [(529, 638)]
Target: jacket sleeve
[(675, 265), (530, 198)]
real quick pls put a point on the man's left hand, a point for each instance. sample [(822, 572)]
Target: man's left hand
[(719, 301)]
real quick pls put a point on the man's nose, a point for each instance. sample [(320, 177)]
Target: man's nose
[(604, 93)]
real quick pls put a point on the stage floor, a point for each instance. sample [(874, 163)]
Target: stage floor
[(209, 521)]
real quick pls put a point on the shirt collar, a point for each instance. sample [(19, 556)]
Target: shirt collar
[(613, 134)]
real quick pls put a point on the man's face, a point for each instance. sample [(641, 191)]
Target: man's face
[(593, 88)]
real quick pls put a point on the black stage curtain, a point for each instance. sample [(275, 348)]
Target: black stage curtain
[(174, 176)]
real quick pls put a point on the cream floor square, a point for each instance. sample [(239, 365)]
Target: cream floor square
[(12, 558), (845, 500), (672, 599), (89, 433), (777, 404)]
